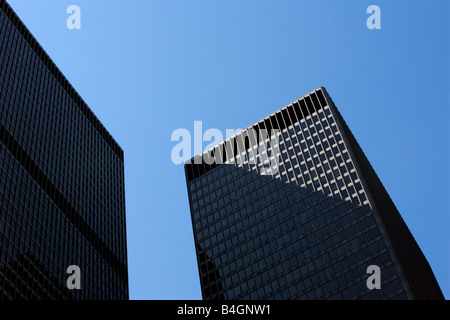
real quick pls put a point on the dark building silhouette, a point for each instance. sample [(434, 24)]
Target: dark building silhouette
[(61, 181), (307, 227)]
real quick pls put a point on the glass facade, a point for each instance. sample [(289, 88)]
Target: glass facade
[(61, 181), (307, 230)]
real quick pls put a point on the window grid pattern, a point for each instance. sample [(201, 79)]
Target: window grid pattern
[(307, 232), (43, 119)]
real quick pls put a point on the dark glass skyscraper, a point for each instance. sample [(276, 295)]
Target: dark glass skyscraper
[(306, 226), (61, 181)]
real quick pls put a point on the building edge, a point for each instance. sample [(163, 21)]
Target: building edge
[(60, 78), (415, 269)]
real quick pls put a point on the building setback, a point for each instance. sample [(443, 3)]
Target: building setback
[(61, 181), (307, 228)]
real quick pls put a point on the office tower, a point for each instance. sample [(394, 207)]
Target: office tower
[(61, 181), (308, 225)]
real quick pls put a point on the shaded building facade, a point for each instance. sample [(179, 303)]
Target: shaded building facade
[(308, 227), (61, 181)]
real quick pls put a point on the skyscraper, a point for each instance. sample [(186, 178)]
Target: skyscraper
[(61, 181), (315, 223)]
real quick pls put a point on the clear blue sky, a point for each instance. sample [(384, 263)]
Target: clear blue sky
[(147, 68)]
